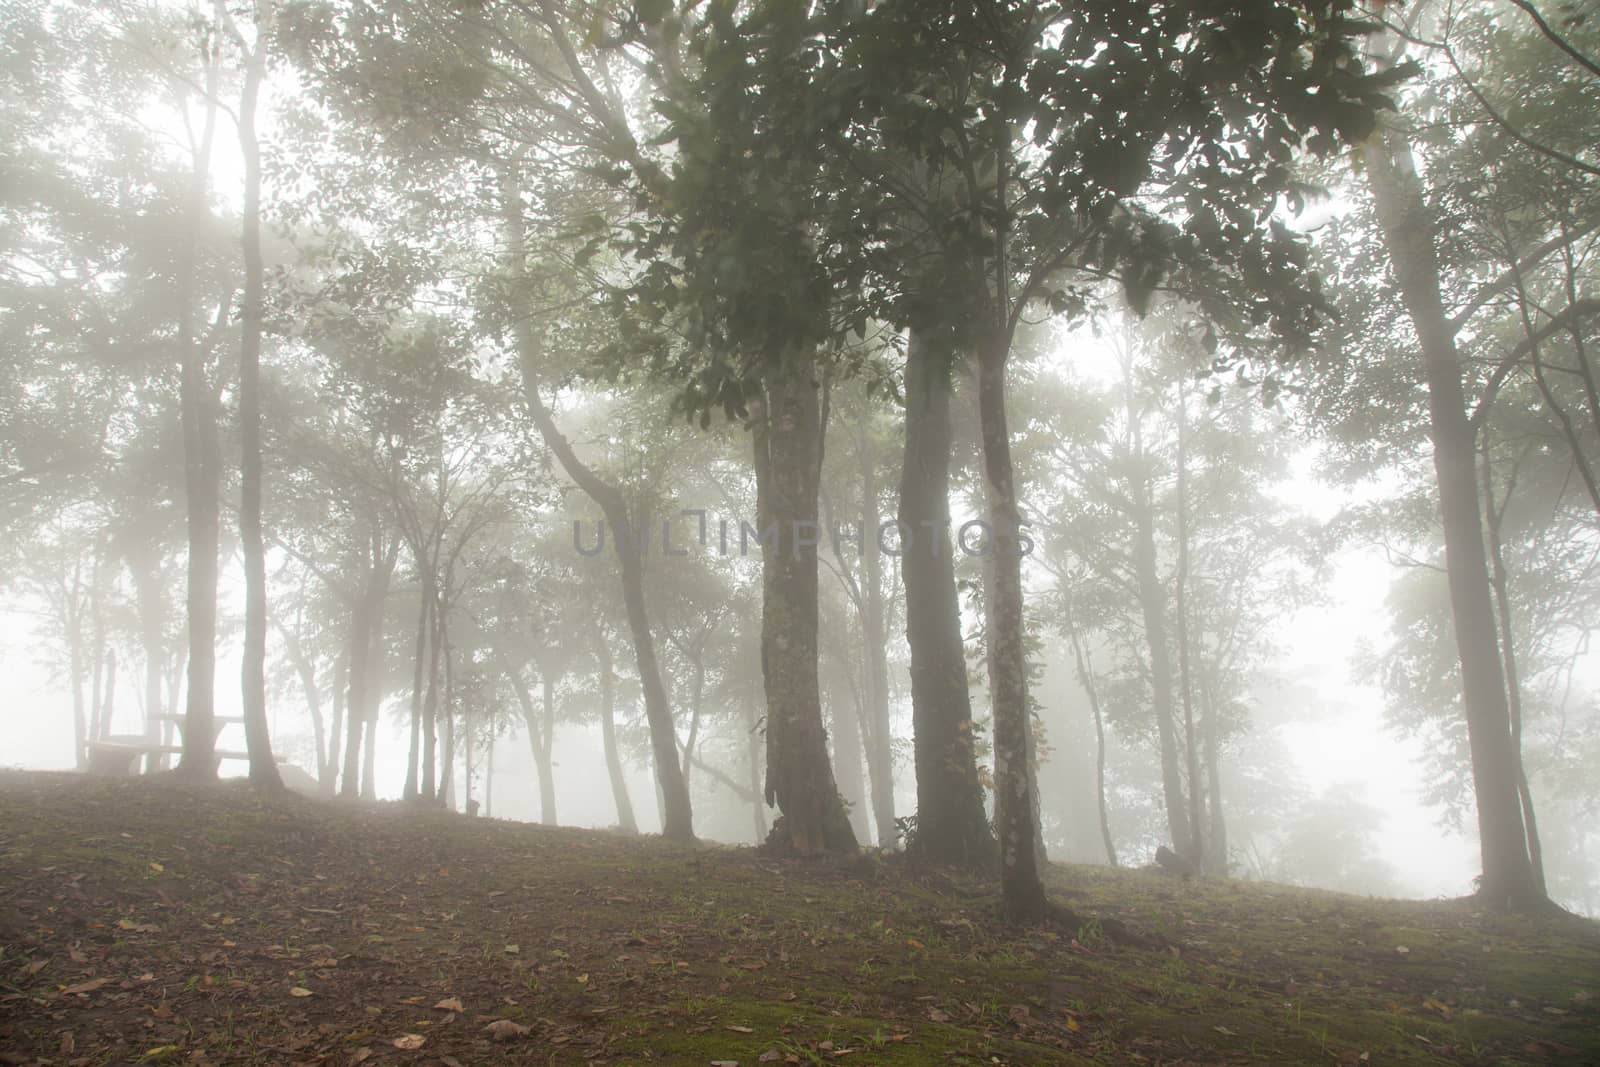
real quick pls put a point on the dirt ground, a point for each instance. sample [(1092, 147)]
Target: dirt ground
[(146, 922)]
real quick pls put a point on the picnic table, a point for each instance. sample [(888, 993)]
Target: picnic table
[(118, 755)]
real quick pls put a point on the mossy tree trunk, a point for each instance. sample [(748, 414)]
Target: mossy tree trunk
[(788, 444)]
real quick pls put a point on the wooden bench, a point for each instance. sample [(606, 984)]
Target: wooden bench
[(119, 755)]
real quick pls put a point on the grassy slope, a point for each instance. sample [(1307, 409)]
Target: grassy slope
[(203, 909)]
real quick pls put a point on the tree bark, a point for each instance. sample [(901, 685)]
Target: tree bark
[(420, 657), (1085, 667), (951, 826), (1191, 744), (677, 812), (1499, 582), (875, 733), (201, 468), (1016, 819), (847, 711), (253, 675), (626, 822), (430, 706), (788, 442), (1153, 607), (1507, 878)]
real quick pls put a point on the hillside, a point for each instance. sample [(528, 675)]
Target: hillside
[(144, 922)]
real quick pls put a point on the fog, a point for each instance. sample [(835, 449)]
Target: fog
[(802, 450)]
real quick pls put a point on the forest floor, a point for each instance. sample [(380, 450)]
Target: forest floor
[(144, 922)]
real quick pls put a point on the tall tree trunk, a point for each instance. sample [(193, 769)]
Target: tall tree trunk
[(430, 706), (875, 731), (951, 825), (677, 815), (847, 716), (1085, 667), (201, 464), (253, 676), (72, 617), (360, 650), (96, 727), (788, 442), (1499, 582), (1016, 816), (1153, 606), (1217, 838), (537, 734), (608, 732), (1191, 745), (1408, 233), (752, 753), (328, 766), (418, 678), (447, 781), (697, 690)]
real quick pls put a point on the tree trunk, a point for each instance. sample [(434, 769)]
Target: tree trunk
[(951, 826), (848, 755), (676, 812), (201, 470), (788, 443), (752, 752), (1408, 233), (430, 706), (419, 662), (253, 676), (1153, 606), (875, 724), (72, 617), (1499, 582), (447, 780), (1085, 669), (1217, 840), (608, 733), (1191, 745), (328, 766), (360, 650), (1016, 818)]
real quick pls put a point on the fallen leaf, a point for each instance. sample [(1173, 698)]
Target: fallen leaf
[(360, 1054), (408, 1042), (35, 966), (86, 987), (772, 1055), (299, 991), (506, 1030), (450, 1004), (740, 1029), (512, 950)]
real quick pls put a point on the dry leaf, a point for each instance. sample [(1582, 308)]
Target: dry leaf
[(35, 966), (450, 1004), (360, 1054), (299, 991), (506, 1030), (86, 987), (408, 1042), (740, 1029)]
